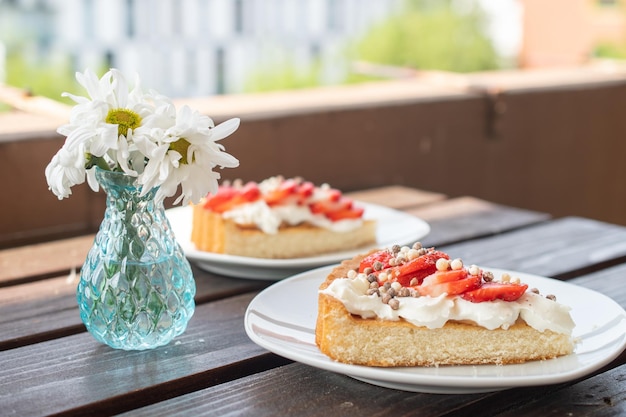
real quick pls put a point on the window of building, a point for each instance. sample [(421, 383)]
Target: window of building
[(238, 16), (130, 18), (334, 15), (315, 50), (191, 79), (88, 19), (109, 59), (177, 18), (220, 73)]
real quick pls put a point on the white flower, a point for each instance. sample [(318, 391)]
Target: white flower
[(142, 135), (65, 170), (186, 154)]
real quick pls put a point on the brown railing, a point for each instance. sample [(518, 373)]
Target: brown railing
[(549, 140)]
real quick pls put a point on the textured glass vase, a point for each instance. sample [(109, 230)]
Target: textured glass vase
[(136, 288)]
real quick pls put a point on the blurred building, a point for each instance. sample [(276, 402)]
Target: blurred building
[(566, 32), (187, 48), (204, 47)]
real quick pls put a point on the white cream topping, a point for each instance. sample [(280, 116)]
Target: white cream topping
[(433, 312), (269, 219)]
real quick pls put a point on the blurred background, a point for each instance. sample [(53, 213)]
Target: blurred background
[(193, 48), (518, 102)]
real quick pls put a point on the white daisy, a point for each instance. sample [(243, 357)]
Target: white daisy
[(97, 124), (186, 154), (142, 135), (66, 169)]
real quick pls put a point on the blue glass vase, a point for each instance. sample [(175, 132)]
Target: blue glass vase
[(136, 288)]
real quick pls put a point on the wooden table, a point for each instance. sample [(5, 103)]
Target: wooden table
[(49, 365)]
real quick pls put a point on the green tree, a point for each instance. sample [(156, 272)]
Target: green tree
[(610, 50), (282, 77), (47, 79), (431, 35), (426, 34)]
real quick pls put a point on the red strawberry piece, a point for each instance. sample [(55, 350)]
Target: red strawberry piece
[(440, 277), (251, 191), (381, 256), (343, 214), (236, 200), (319, 207), (282, 193), (304, 191), (223, 195), (489, 291), (228, 197), (344, 203), (334, 194), (451, 287), (418, 268), (327, 206)]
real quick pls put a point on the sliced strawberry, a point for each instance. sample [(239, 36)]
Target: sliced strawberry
[(236, 200), (251, 191), (282, 193), (327, 206), (304, 191), (421, 263), (490, 291), (382, 256), (350, 213), (223, 195), (228, 197), (451, 287), (440, 277), (334, 194), (319, 207), (336, 209), (418, 268)]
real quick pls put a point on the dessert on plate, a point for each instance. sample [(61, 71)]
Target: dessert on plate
[(417, 307), (279, 218)]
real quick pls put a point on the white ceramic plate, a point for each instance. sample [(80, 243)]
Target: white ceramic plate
[(393, 227), (282, 320)]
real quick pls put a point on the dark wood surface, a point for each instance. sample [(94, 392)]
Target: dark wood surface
[(49, 365)]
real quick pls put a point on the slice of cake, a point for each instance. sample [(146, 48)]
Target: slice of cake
[(416, 307), (279, 218)]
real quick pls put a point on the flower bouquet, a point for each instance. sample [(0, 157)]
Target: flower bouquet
[(136, 288)]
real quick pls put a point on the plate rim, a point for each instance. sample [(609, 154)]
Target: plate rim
[(415, 382)]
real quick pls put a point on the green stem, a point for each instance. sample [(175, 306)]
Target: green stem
[(98, 161)]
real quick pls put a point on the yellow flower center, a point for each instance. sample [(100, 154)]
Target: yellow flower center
[(124, 119), (181, 146)]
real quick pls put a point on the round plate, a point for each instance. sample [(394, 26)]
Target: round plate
[(393, 227), (282, 320)]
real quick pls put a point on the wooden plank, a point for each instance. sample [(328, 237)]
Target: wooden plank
[(80, 376), (38, 311), (465, 218), (300, 390), (602, 395), (43, 260), (295, 389), (397, 197), (563, 248), (610, 282), (47, 309), (234, 375)]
